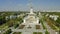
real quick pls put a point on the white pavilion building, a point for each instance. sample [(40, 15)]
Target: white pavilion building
[(31, 18)]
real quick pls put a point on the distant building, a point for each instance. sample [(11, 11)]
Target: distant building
[(54, 17), (11, 17)]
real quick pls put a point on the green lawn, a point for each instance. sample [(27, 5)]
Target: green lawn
[(37, 32), (17, 33)]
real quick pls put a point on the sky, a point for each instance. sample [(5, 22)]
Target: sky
[(23, 5)]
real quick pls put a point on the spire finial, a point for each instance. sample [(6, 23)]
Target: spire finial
[(30, 3), (31, 8)]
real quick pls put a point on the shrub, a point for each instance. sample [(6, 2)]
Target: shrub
[(47, 32), (8, 31), (16, 25)]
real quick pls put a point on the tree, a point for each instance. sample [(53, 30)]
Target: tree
[(2, 20), (47, 32), (8, 31)]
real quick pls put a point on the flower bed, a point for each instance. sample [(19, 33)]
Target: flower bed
[(21, 26), (37, 26)]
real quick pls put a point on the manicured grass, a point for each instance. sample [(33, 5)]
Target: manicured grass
[(46, 32), (17, 33), (43, 24), (37, 32), (4, 26)]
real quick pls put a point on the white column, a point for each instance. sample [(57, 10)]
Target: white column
[(0, 31), (37, 21), (24, 20), (56, 32)]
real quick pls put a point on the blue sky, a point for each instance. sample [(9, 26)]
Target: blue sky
[(14, 5)]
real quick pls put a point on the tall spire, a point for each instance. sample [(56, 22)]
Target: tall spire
[(30, 5)]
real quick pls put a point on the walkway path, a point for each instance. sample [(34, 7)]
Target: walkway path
[(26, 30), (49, 28)]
